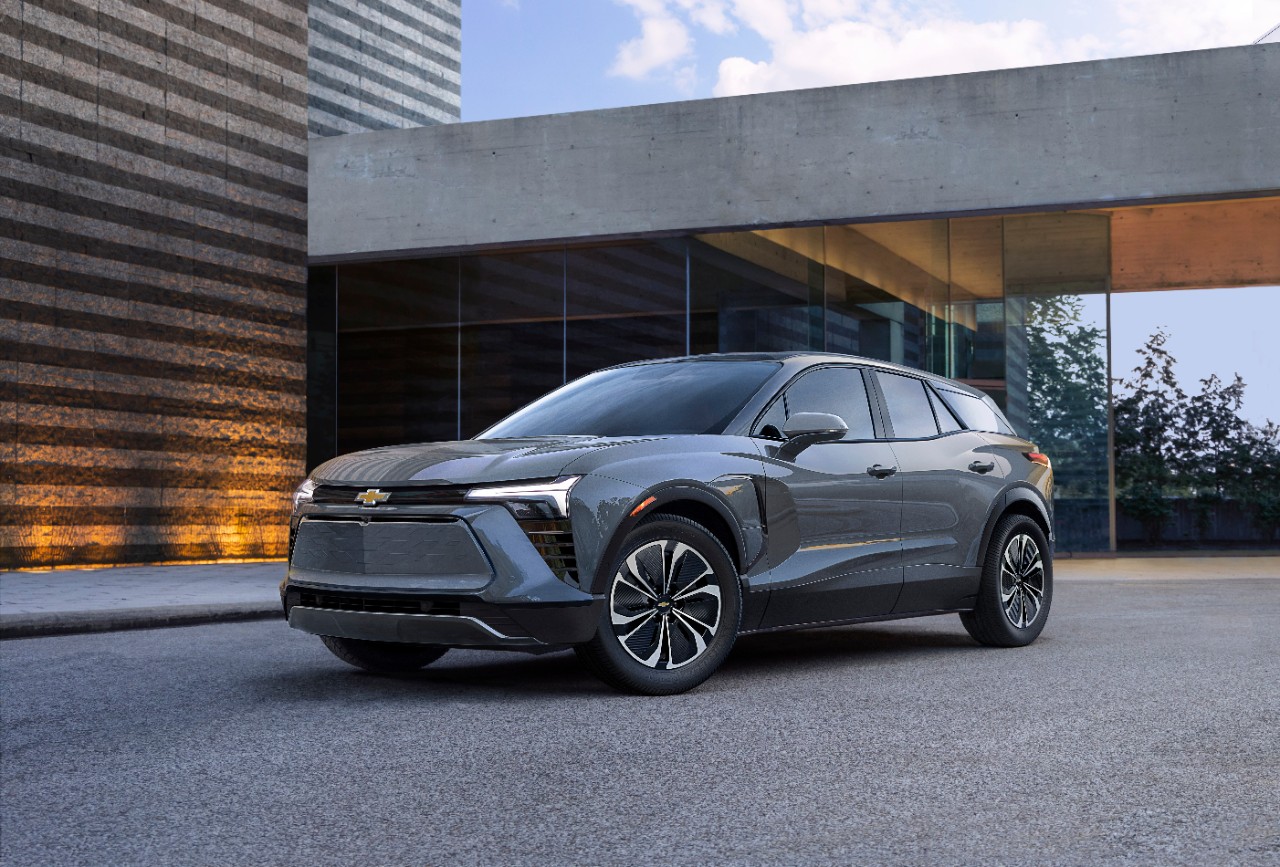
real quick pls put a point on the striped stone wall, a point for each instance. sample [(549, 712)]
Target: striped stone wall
[(384, 64), (153, 176)]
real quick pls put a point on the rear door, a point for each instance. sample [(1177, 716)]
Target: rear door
[(950, 479), (833, 509)]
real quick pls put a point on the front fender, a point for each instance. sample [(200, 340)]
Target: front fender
[(607, 501)]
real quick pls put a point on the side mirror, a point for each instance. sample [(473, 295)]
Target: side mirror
[(815, 427), (807, 428)]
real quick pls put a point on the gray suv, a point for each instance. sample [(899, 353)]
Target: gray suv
[(647, 515)]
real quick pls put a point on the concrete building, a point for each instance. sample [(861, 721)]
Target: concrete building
[(171, 366), (974, 225), (153, 189)]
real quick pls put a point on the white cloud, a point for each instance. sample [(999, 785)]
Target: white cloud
[(711, 14), (663, 40), (1181, 25), (814, 43), (846, 52)]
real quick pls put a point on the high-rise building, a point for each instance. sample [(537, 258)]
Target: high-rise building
[(153, 226)]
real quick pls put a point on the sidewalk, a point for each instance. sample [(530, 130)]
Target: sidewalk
[(133, 597), (136, 597)]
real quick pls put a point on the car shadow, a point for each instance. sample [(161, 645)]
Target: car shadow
[(843, 645), (499, 676)]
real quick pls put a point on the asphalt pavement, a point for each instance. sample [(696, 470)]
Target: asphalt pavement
[(1142, 728)]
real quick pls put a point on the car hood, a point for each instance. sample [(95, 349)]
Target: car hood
[(466, 462)]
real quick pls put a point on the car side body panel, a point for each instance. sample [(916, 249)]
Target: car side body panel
[(945, 504)]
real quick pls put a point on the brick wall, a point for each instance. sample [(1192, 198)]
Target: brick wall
[(152, 278)]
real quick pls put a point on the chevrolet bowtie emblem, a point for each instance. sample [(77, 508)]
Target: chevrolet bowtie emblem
[(372, 497)]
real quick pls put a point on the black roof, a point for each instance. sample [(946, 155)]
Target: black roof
[(805, 357)]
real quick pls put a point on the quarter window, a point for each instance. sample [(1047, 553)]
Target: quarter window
[(837, 390), (978, 413), (909, 408), (946, 419)]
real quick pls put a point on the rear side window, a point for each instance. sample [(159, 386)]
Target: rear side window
[(977, 413), (837, 390), (908, 403), (946, 419)]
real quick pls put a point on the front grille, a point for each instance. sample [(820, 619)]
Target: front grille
[(387, 604), (421, 495), (554, 541)]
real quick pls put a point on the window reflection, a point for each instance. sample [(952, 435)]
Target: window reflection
[(756, 291), (624, 303), (512, 334), (397, 350), (1056, 276)]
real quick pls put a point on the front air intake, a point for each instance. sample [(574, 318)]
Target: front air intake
[(554, 541)]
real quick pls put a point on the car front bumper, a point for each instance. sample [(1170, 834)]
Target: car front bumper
[(465, 576)]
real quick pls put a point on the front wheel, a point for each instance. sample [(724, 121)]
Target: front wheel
[(673, 610), (1016, 587), (383, 657)]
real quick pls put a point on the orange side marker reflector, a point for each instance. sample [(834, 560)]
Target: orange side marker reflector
[(640, 508), (1038, 458)]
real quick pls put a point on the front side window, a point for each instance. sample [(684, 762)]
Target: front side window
[(908, 404), (836, 390)]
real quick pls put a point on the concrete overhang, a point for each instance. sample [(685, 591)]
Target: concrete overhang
[(1140, 130)]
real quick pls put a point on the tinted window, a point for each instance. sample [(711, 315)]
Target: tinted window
[(946, 419), (977, 413), (772, 422), (680, 397), (908, 404), (837, 390)]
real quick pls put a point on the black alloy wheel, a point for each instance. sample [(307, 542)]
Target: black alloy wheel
[(672, 611), (1016, 588)]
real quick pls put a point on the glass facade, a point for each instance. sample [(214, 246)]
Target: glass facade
[(440, 348)]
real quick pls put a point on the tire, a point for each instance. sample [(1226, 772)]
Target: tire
[(672, 611), (383, 657), (1016, 588)]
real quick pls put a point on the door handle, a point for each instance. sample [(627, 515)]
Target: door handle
[(980, 467), (881, 472)]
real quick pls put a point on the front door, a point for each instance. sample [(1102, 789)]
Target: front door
[(834, 510)]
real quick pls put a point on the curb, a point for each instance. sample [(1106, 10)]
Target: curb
[(36, 625)]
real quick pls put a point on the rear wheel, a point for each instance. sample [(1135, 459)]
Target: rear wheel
[(383, 657), (1016, 588), (672, 612)]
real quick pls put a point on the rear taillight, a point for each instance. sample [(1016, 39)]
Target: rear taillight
[(1038, 458)]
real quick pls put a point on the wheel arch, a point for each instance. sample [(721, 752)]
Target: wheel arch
[(1017, 501), (701, 505)]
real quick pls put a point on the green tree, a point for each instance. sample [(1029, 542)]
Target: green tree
[(1214, 446), (1149, 422), (1262, 481)]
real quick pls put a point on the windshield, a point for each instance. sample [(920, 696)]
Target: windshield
[(678, 397)]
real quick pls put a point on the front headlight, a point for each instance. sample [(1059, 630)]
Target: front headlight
[(303, 494), (529, 499)]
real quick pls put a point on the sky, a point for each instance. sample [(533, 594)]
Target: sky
[(527, 57), (1222, 331)]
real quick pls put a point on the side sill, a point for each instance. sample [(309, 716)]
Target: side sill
[(877, 618)]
